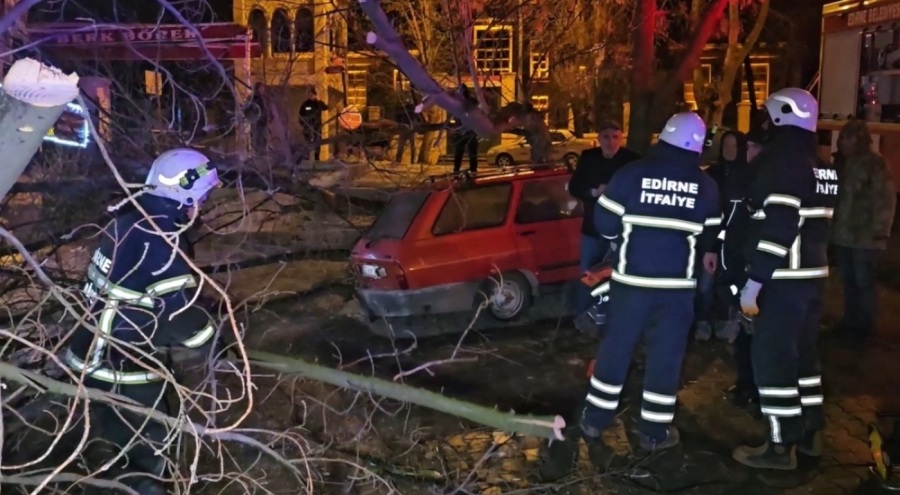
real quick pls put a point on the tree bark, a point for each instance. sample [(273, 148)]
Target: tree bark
[(32, 99), (546, 427)]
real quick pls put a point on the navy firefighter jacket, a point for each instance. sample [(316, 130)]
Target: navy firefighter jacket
[(663, 211), (791, 203), (135, 283)]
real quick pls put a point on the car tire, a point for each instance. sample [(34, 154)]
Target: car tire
[(504, 160), (508, 296), (570, 160)]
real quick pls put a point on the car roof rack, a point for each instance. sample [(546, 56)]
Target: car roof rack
[(470, 177)]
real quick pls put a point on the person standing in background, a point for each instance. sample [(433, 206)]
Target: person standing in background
[(465, 140), (863, 218), (310, 118)]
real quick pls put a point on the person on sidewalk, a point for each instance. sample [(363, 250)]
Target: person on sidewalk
[(464, 139), (310, 119), (663, 211), (791, 203), (594, 170), (713, 313), (863, 218)]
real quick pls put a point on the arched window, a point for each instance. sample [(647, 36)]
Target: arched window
[(260, 28), (304, 31), (281, 32)]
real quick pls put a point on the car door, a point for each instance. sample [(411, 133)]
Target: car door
[(559, 143), (521, 151), (546, 227)]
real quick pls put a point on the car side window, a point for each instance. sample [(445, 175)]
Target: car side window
[(546, 200), (557, 137), (473, 209)]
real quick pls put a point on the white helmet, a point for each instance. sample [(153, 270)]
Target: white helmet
[(793, 106), (182, 174), (686, 131)]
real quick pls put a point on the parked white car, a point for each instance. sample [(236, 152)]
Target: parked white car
[(566, 148)]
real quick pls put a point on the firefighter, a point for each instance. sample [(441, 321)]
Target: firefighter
[(662, 212), (791, 201), (142, 290)]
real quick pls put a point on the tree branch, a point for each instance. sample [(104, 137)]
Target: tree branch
[(699, 38), (755, 33)]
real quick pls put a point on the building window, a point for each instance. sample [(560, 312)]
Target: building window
[(540, 64), (689, 96), (541, 103), (259, 28), (401, 83), (281, 32), (493, 49), (356, 88), (760, 83), (304, 31)]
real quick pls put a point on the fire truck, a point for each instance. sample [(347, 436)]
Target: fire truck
[(859, 72)]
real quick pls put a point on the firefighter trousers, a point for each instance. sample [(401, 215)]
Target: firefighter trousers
[(663, 317), (120, 427), (785, 357)]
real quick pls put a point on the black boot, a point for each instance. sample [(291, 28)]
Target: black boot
[(767, 456), (558, 461), (811, 444)]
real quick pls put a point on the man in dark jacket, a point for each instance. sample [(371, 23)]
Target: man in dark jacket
[(310, 118), (712, 311), (143, 291), (593, 172), (464, 139), (791, 201)]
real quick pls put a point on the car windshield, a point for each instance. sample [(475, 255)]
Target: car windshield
[(557, 137), (398, 215)]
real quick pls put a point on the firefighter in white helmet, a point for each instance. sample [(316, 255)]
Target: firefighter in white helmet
[(140, 290)]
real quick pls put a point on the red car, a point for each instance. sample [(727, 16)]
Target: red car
[(507, 236)]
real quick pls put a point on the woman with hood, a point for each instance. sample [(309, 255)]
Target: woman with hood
[(729, 173)]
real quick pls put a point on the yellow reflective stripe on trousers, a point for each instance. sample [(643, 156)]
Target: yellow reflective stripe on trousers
[(654, 283), (111, 376), (200, 337), (171, 285), (804, 213), (117, 292)]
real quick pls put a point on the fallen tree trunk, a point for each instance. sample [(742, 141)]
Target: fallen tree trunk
[(32, 99), (538, 426)]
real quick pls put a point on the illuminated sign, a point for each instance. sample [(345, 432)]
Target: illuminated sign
[(72, 127)]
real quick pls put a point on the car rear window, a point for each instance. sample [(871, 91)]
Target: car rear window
[(471, 209), (398, 215)]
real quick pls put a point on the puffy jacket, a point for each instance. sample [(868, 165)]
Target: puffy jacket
[(136, 283), (662, 212), (592, 171), (791, 203), (866, 202)]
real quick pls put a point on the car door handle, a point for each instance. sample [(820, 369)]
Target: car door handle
[(526, 232)]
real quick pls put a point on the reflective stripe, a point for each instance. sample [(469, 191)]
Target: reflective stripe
[(666, 400), (781, 411), (782, 199), (721, 235), (778, 392), (734, 290), (800, 273), (603, 403), (656, 417), (811, 381), (117, 292), (111, 376), (772, 248), (713, 221), (601, 289), (609, 237), (804, 213), (775, 429), (605, 387), (692, 255), (813, 400), (611, 205), (663, 223), (623, 257), (171, 285), (200, 337), (656, 283)]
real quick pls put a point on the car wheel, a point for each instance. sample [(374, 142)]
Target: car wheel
[(504, 160), (509, 295), (570, 160)]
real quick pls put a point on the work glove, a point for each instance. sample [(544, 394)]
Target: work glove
[(749, 294)]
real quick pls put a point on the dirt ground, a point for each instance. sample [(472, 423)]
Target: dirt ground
[(539, 369)]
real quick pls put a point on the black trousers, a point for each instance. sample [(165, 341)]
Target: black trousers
[(743, 361), (120, 426), (785, 357), (313, 137), (461, 144)]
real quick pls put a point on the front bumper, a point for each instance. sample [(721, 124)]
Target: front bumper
[(447, 298)]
